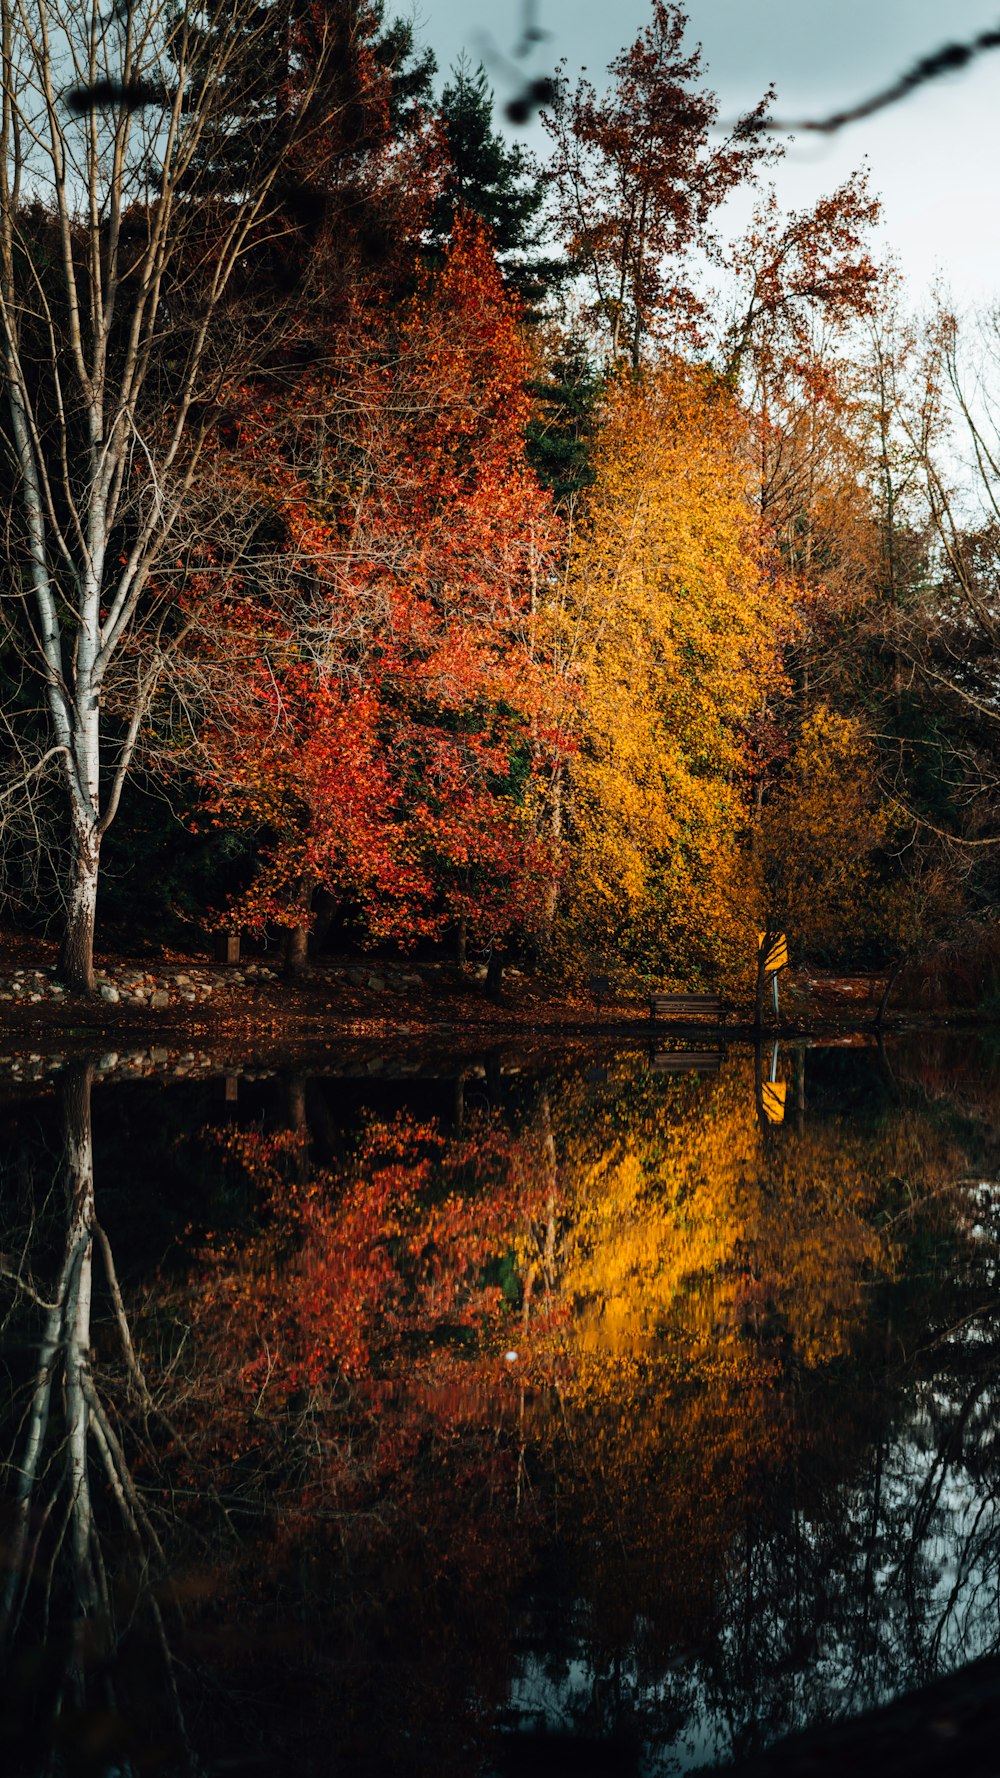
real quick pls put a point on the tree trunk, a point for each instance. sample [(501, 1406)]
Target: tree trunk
[(883, 1004), (297, 950), (295, 1095), (78, 1151), (552, 887), (551, 1181), (62, 1323), (76, 954), (326, 908), (760, 988), (298, 1120), (494, 1079), (297, 942), (758, 1071), (494, 973), (462, 942)]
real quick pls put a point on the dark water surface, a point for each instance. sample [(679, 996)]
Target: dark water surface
[(492, 1414)]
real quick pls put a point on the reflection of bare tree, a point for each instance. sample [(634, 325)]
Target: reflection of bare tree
[(75, 1505), (866, 1567), (850, 1589), (542, 1244)]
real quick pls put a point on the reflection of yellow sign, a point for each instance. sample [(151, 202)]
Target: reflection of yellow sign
[(773, 1096), (777, 956)]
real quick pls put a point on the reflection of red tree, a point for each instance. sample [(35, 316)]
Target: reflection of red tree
[(351, 1403), (359, 1276)]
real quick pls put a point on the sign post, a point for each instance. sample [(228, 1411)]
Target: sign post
[(772, 956), (770, 1091)]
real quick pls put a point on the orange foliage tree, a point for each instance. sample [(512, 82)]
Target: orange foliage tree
[(385, 741)]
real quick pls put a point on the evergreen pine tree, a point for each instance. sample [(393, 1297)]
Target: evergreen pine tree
[(561, 432), (373, 87), (493, 179)]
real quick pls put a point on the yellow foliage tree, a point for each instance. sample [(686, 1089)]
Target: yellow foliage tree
[(673, 615)]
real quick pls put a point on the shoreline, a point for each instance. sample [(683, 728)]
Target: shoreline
[(370, 1048), (183, 999)]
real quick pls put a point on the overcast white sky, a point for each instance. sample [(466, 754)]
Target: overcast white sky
[(934, 159)]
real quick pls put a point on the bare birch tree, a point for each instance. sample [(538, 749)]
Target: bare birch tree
[(947, 637), (126, 289)]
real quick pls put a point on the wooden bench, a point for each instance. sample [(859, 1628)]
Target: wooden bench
[(702, 1009)]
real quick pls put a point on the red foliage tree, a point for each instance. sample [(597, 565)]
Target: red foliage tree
[(379, 733), (638, 182)]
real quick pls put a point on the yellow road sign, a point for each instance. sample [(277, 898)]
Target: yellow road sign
[(777, 955), (773, 1098)]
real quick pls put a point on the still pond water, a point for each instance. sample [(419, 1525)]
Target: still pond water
[(492, 1414)]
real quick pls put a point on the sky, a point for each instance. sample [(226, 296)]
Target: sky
[(934, 159)]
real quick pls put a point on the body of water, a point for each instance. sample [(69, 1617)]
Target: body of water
[(469, 1415)]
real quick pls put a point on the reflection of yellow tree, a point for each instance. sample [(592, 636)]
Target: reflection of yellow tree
[(697, 1225), (709, 1272)]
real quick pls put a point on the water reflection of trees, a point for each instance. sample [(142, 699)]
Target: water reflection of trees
[(692, 1422), (767, 1392), (84, 1569)]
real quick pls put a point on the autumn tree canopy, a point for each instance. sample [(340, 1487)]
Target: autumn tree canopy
[(473, 547), (673, 616), (638, 182), (410, 545)]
